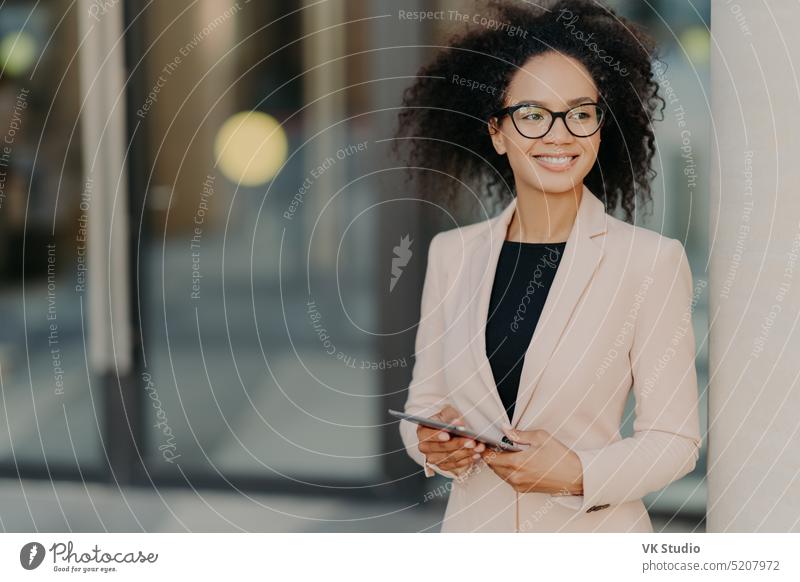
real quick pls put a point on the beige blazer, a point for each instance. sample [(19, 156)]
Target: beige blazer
[(617, 317)]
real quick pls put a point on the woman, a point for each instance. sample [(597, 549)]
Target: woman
[(540, 321)]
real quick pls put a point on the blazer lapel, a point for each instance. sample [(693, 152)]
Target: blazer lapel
[(581, 257), (481, 278)]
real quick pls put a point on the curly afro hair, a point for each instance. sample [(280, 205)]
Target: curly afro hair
[(442, 125)]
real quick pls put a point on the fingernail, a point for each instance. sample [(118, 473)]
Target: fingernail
[(469, 445), (480, 447), (443, 436), (476, 456)]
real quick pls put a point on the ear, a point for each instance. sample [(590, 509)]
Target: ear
[(496, 135)]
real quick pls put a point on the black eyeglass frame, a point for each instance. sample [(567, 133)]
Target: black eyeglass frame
[(553, 116)]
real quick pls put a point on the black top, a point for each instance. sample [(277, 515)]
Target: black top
[(525, 272)]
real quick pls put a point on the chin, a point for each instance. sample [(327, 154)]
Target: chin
[(565, 184)]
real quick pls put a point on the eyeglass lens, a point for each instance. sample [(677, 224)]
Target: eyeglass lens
[(534, 121)]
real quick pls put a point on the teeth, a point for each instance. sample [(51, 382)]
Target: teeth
[(553, 160)]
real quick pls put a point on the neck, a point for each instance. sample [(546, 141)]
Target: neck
[(544, 217)]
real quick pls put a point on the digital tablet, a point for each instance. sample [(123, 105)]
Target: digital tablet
[(505, 443)]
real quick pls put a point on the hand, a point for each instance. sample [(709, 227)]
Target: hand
[(448, 452), (547, 466)]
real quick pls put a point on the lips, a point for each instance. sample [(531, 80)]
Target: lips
[(556, 162)]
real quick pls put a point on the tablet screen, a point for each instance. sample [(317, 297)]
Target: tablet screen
[(505, 444)]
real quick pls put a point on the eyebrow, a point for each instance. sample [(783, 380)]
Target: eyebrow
[(576, 101)]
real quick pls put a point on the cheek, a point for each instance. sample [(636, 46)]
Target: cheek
[(517, 153), (592, 147), (516, 146), (589, 156)]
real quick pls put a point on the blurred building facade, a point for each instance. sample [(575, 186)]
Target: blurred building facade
[(254, 300)]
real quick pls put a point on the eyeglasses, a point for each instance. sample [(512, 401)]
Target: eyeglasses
[(534, 121)]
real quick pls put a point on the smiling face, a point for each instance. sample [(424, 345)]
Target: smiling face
[(558, 162)]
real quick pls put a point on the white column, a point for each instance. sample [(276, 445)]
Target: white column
[(103, 140), (754, 350), (324, 92)]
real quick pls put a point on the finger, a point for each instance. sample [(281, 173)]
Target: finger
[(423, 432), (453, 457), (462, 464), (518, 436), (451, 440), (493, 457), (422, 429), (450, 457), (426, 433), (450, 465), (450, 415), (530, 437), (432, 434), (433, 446)]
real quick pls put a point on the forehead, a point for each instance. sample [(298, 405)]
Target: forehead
[(552, 79)]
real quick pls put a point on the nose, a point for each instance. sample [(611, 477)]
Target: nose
[(558, 132)]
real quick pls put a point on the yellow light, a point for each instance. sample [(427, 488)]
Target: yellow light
[(696, 43), (17, 52), (250, 147)]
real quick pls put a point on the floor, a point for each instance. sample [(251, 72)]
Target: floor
[(28, 506)]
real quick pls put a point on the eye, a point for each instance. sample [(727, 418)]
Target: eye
[(584, 113), (531, 114)]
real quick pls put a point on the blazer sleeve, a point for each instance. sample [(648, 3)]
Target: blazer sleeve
[(666, 440), (427, 393)]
